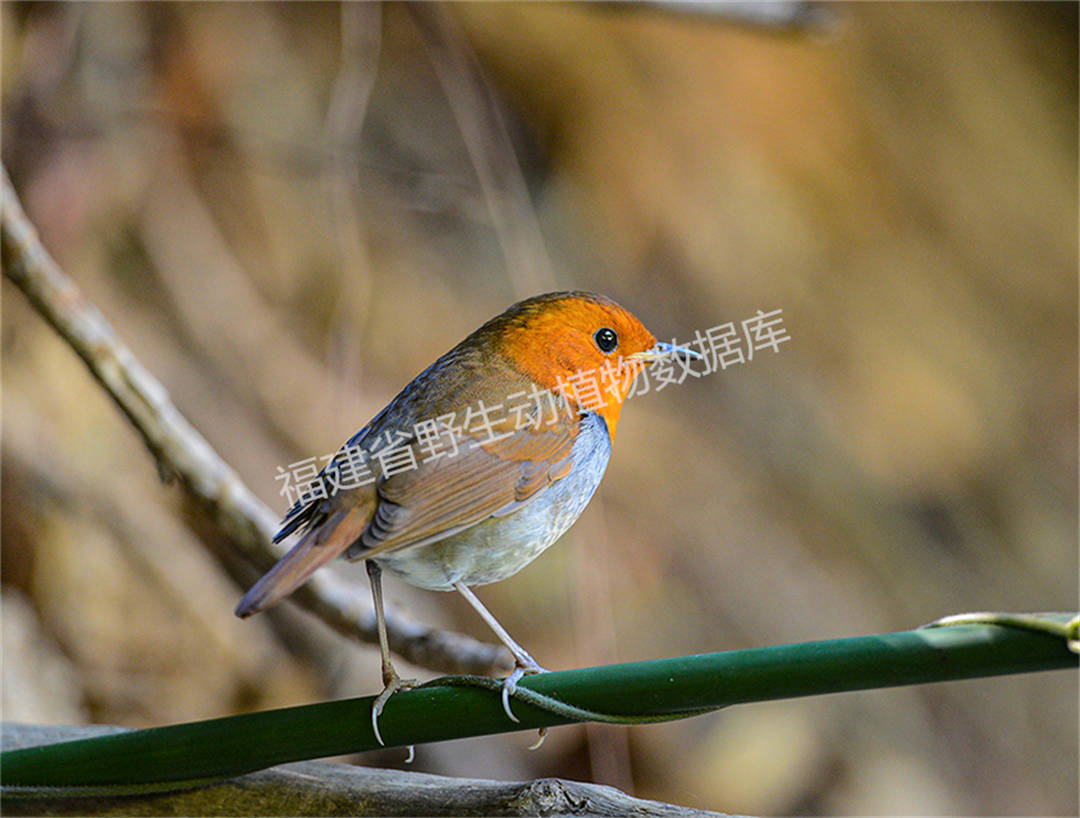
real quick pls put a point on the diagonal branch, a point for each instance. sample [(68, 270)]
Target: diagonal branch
[(183, 453)]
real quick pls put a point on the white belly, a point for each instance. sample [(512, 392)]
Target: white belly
[(499, 547)]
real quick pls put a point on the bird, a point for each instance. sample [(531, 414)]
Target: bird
[(477, 466)]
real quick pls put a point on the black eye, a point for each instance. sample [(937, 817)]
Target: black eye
[(606, 338)]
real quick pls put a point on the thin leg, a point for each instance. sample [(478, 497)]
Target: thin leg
[(525, 664), (392, 683)]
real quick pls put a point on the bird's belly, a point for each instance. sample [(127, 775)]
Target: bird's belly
[(501, 546)]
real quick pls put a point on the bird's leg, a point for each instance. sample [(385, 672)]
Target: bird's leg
[(523, 662), (392, 683)]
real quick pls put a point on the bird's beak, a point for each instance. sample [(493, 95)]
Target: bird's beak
[(662, 350)]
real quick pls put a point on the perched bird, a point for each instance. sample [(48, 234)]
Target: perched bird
[(478, 465)]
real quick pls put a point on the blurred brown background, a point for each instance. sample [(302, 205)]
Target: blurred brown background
[(289, 210)]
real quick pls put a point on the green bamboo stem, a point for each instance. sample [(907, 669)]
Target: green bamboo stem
[(176, 756)]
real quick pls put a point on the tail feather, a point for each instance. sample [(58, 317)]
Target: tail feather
[(320, 545)]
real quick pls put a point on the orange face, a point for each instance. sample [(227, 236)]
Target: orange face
[(567, 342)]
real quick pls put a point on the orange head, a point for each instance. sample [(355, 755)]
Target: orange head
[(581, 345)]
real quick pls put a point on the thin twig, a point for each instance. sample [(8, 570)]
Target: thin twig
[(794, 16), (183, 453), (476, 111), (350, 94)]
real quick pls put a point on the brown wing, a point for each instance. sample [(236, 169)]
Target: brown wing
[(484, 478)]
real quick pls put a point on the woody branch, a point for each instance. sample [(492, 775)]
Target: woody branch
[(182, 452)]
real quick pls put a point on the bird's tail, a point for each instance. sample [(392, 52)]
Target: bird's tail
[(318, 547)]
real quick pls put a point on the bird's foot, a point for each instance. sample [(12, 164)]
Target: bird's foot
[(509, 685), (392, 684)]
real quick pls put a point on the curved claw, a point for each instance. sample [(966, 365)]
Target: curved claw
[(392, 687), (510, 685)]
